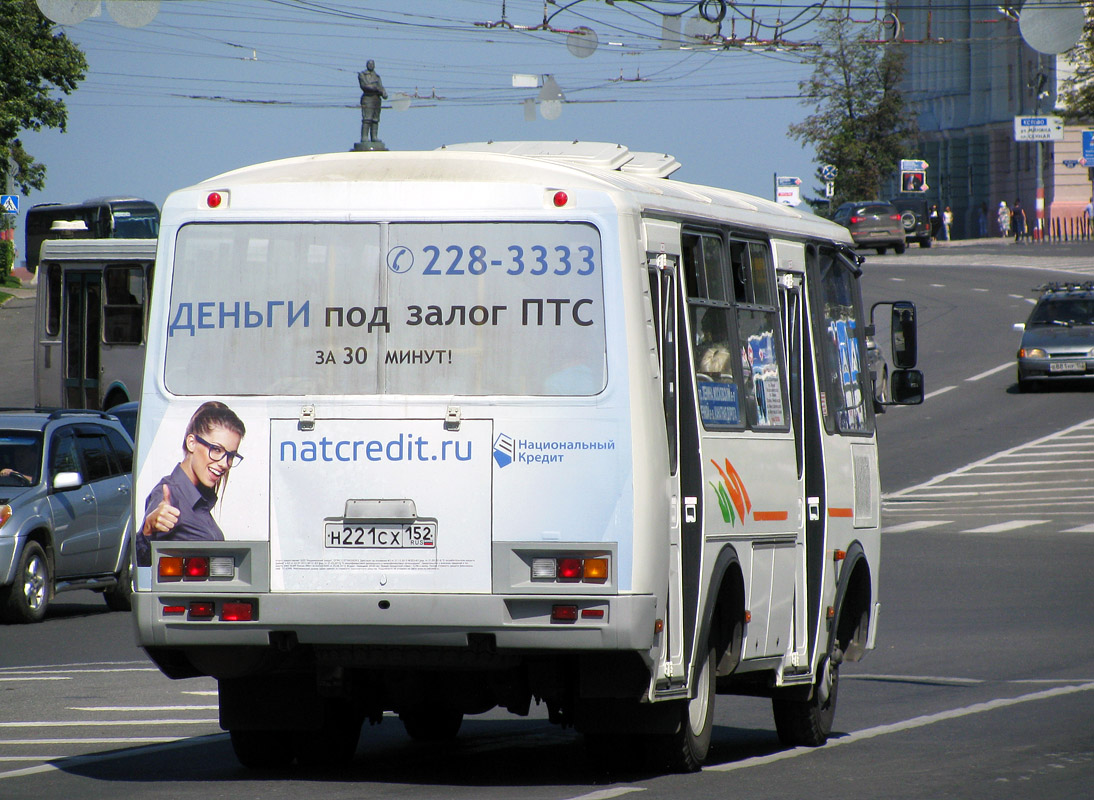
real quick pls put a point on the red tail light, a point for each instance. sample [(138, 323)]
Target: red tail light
[(895, 217), (856, 220)]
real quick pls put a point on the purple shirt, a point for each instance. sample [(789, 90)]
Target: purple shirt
[(195, 505)]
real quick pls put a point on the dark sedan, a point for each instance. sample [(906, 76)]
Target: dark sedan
[(872, 223)]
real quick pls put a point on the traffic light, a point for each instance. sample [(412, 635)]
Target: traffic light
[(913, 180)]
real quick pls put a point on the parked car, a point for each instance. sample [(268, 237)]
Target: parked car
[(1058, 338), (914, 218), (66, 491), (872, 223)]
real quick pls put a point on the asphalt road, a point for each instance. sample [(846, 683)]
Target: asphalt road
[(982, 685)]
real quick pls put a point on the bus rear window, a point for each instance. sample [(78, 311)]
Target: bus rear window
[(424, 308)]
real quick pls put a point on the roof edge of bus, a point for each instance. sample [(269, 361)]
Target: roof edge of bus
[(608, 164)]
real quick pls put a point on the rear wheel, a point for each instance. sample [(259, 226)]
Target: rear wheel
[(900, 248), (27, 599), (333, 744), (809, 722), (263, 749), (687, 748)]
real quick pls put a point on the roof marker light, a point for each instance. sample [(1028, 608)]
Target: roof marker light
[(214, 199), (560, 199)]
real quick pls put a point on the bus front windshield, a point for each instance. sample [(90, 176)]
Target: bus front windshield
[(413, 308)]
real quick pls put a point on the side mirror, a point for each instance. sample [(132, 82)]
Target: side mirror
[(906, 387), (67, 480), (904, 335)]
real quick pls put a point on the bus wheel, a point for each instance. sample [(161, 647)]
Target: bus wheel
[(809, 722), (333, 744), (264, 750), (687, 748), (431, 724)]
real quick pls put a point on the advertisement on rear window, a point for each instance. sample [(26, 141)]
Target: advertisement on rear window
[(430, 308)]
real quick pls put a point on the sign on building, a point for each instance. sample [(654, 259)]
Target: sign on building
[(1038, 129)]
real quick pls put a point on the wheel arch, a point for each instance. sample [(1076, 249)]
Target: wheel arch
[(853, 605), (723, 617)]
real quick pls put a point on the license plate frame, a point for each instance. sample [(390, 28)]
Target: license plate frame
[(1067, 366), (352, 535)]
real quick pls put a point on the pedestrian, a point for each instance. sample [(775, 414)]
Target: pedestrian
[(947, 223), (1020, 223), (936, 221), (1002, 219)]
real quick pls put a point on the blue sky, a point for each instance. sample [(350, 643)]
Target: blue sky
[(211, 85)]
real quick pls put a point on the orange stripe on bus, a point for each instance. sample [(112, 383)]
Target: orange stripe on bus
[(841, 512), (769, 516)]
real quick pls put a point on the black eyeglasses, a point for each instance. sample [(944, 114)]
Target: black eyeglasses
[(218, 453)]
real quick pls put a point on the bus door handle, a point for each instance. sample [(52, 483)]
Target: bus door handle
[(814, 509), (691, 505)]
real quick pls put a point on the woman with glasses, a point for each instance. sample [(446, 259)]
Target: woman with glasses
[(180, 506)]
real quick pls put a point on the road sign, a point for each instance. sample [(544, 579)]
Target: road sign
[(9, 203), (788, 190), (1088, 146), (913, 180), (828, 172), (913, 165), (1038, 129)]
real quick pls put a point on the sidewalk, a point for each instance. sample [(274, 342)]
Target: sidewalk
[(29, 281)]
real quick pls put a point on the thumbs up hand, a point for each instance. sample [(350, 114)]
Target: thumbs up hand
[(163, 517)]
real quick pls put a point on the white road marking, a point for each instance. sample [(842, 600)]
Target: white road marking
[(95, 709), (1009, 525), (937, 392), (992, 371), (917, 525), (605, 794), (905, 725), (76, 723)]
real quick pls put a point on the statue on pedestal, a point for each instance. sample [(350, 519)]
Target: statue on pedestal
[(372, 91)]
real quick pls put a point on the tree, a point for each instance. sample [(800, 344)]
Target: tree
[(1076, 98), (33, 61), (860, 123)]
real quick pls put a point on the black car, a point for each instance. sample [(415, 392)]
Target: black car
[(1058, 338), (914, 218)]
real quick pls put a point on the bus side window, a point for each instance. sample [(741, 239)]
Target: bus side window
[(53, 299), (763, 381), (711, 330), (123, 304)]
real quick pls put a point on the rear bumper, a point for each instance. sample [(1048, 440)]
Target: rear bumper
[(514, 622)]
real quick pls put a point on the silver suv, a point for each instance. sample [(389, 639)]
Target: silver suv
[(66, 491)]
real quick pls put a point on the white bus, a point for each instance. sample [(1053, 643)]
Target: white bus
[(91, 321), (521, 421)]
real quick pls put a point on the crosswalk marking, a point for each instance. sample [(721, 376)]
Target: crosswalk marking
[(916, 525), (1009, 525)]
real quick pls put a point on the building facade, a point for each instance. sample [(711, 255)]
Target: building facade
[(968, 75)]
